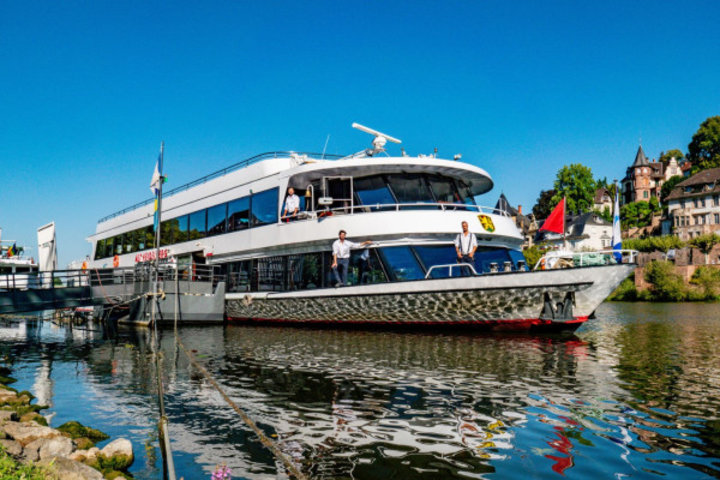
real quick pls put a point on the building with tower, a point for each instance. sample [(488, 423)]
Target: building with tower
[(644, 179)]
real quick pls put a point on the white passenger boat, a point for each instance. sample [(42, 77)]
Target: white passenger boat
[(17, 271), (278, 268)]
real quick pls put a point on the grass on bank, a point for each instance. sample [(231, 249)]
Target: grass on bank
[(668, 286), (11, 469)]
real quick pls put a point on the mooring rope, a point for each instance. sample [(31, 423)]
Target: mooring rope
[(267, 442)]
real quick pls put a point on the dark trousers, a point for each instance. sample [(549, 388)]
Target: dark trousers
[(464, 271), (341, 271)]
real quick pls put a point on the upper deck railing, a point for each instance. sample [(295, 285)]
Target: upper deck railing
[(389, 207), (237, 166)]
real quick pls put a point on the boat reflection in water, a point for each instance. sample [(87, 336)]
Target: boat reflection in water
[(633, 394)]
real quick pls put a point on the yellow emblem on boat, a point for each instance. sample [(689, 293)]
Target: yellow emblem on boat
[(486, 223)]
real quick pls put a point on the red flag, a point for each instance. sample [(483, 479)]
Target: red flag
[(556, 221)]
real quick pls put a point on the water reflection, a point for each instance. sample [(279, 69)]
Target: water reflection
[(635, 393)]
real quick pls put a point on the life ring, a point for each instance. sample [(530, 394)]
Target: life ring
[(116, 261), (542, 263)]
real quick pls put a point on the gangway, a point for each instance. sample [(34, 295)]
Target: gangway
[(201, 290)]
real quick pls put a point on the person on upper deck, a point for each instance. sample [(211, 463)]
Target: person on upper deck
[(292, 205), (465, 245), (341, 257)]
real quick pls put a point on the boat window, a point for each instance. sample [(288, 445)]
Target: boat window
[(146, 238), (365, 267), (100, 249), (373, 191), (109, 247), (196, 225), (216, 219), (264, 207), (239, 214), (180, 233), (128, 240), (401, 264), (238, 275), (410, 188), (270, 273), (444, 189), (304, 271), (171, 231), (118, 245), (516, 256), (464, 191), (432, 255), (485, 257)]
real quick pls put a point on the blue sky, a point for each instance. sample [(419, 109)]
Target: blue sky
[(89, 89)]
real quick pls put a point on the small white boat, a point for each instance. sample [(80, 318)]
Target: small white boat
[(17, 271)]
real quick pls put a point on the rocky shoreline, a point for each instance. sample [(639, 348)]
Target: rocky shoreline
[(65, 453)]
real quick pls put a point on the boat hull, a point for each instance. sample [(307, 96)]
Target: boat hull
[(550, 300)]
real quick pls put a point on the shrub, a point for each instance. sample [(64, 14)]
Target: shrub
[(708, 281), (653, 244), (625, 292), (534, 253), (666, 285), (11, 469)]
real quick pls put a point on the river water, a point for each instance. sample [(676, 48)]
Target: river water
[(635, 393)]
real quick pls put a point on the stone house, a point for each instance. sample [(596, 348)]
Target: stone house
[(694, 205), (603, 199)]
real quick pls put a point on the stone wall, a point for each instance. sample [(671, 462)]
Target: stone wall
[(685, 271), (683, 257)]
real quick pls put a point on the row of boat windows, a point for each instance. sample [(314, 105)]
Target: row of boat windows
[(246, 212), (376, 265), (262, 209)]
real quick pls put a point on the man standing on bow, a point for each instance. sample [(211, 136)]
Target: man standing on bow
[(465, 245), (341, 257)]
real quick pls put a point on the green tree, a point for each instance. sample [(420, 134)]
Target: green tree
[(705, 243), (665, 284), (654, 205), (704, 149), (605, 214), (666, 156), (669, 185), (544, 204), (576, 184), (637, 214)]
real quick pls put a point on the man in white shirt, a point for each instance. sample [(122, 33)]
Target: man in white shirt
[(465, 245), (341, 257), (292, 205)]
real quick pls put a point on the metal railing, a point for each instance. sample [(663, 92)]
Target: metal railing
[(108, 276), (450, 267), (242, 164), (554, 260), (387, 207)]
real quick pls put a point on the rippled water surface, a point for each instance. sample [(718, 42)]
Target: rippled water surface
[(634, 393)]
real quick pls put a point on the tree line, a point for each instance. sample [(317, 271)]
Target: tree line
[(577, 184)]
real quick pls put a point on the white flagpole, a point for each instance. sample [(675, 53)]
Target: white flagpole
[(157, 234), (616, 231)]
